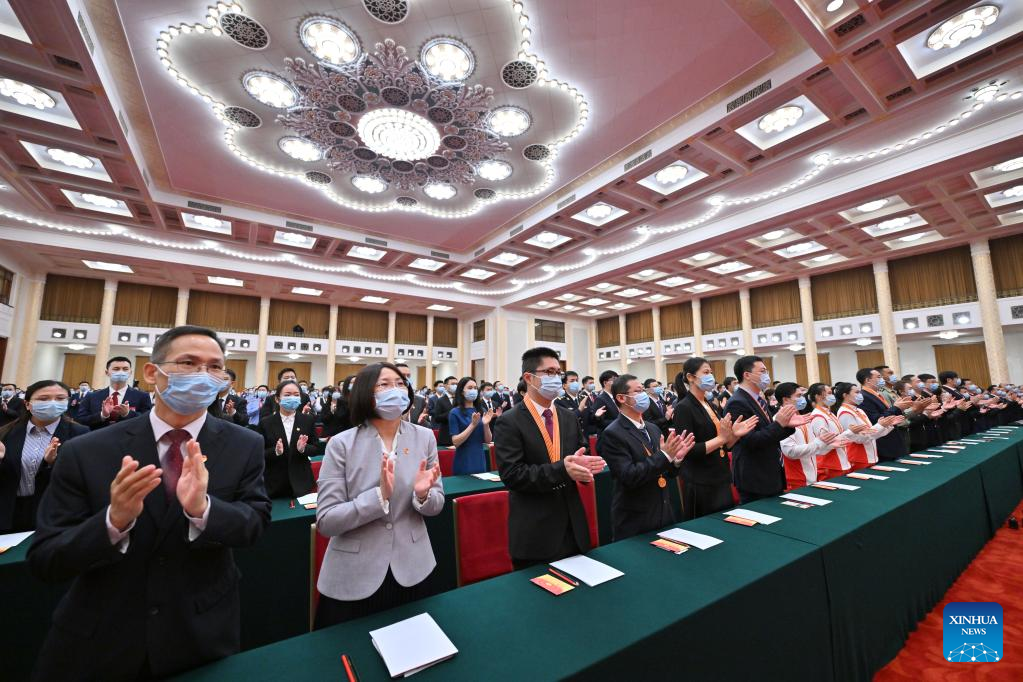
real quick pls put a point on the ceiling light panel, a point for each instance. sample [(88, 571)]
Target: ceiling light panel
[(783, 123), (702, 259), (915, 239), (294, 239), (10, 26), (673, 177), (548, 239), (329, 40), (508, 258), (674, 281), (800, 249), (478, 273), (701, 288), (205, 223), (97, 202), (729, 267), (108, 267), (439, 308), (604, 287), (225, 281), (1009, 195), (447, 59), (25, 99), (568, 297), (600, 213), (374, 299), (965, 33), (647, 274), (306, 291), (66, 161), (822, 260), (366, 253), (754, 276), (427, 264), (893, 225)]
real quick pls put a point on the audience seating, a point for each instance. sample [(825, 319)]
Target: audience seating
[(481, 536)]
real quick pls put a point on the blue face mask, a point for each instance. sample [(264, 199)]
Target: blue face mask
[(574, 386), (641, 402), (336, 395), (190, 393), (959, 382), (880, 382), (707, 382), (591, 386), (709, 395), (800, 403), (7, 395), (120, 377), (934, 386), (471, 394), (392, 403), (659, 390), (48, 410), (919, 385), (858, 399), (550, 386), (488, 394), (291, 402), (261, 394), (829, 400), (911, 393), (765, 381)]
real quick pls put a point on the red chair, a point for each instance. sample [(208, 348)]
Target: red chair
[(319, 430), (493, 458), (316, 472), (481, 536), (593, 446), (588, 494), (436, 434), (317, 549), (447, 461)]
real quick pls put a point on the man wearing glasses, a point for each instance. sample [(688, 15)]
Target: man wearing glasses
[(141, 516), (541, 456)]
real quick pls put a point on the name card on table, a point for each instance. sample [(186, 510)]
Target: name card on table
[(866, 477), (815, 501), (881, 467), (756, 517), (831, 485)]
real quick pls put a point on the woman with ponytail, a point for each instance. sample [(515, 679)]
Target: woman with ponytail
[(706, 472), (862, 450)]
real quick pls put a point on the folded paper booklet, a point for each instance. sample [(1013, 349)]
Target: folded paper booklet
[(880, 467), (741, 521), (823, 486), (668, 545), (688, 537), (923, 456), (806, 499), (914, 462), (587, 570), (944, 452), (412, 645), (799, 505), (866, 477), (13, 540), (552, 584), (831, 485), (765, 519), (307, 501), (488, 476)]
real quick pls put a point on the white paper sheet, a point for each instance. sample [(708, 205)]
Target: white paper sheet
[(816, 501), (697, 540), (860, 474), (587, 570), (840, 486), (920, 455), (487, 476), (412, 645), (765, 519), (307, 499), (14, 539), (944, 452), (885, 467), (915, 462)]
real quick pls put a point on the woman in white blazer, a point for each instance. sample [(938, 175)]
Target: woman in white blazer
[(377, 482)]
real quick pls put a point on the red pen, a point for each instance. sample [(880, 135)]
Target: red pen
[(349, 668), (563, 577), (291, 505)]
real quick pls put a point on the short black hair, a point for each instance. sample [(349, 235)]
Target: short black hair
[(286, 370), (621, 385), (521, 388), (263, 386), (606, 376), (345, 390), (880, 368), (362, 398), (163, 343), (946, 375), (745, 364), (230, 373), (785, 390), (121, 358), (646, 384), (12, 385), (446, 379), (437, 383), (565, 379), (924, 377), (865, 373), (280, 387), (728, 381), (532, 357), (587, 378), (907, 377)]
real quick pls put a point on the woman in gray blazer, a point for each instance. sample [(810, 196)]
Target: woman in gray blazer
[(377, 482)]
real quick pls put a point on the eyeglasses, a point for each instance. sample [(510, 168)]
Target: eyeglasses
[(189, 367), (387, 385), (552, 372)]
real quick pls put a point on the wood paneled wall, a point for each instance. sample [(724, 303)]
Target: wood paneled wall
[(608, 332), (239, 366), (775, 304), (409, 328), (844, 293), (223, 312), (145, 305), (677, 321), (78, 368), (639, 326), (342, 370), (968, 359), (359, 324), (72, 299), (930, 279), (314, 318), (1007, 262), (445, 332), (823, 365), (303, 370), (721, 313), (867, 358)]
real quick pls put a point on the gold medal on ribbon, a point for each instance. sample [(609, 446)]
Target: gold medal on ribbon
[(662, 482)]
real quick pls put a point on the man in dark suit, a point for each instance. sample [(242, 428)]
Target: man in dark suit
[(270, 404), (571, 400), (658, 411), (228, 405), (602, 410), (875, 405), (441, 408), (541, 455), (641, 461), (756, 458), (141, 516), (729, 386), (76, 398), (961, 417), (418, 414), (11, 406), (118, 401)]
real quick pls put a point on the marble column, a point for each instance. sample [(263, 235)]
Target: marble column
[(697, 329), (747, 321), (27, 314), (261, 342), (889, 343), (332, 346), (392, 317), (181, 312), (429, 351), (990, 319), (106, 324), (813, 372), (658, 352), (622, 351)]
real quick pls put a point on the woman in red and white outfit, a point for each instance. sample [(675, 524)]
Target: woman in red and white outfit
[(862, 450), (802, 449), (822, 420)]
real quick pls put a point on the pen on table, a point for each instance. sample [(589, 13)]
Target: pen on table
[(675, 542), (563, 577), (349, 668), (291, 505)]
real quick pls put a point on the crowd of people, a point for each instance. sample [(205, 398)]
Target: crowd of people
[(138, 497)]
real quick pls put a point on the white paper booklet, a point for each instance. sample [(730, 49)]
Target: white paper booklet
[(697, 540), (765, 519), (412, 645), (815, 501), (588, 570)]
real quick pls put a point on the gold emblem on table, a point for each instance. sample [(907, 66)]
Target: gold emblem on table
[(661, 481)]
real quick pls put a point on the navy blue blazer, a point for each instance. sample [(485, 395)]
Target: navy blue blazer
[(90, 408), (10, 466), (756, 457), (166, 602), (893, 445)]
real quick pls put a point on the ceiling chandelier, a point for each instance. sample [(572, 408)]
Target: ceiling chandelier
[(388, 117), (962, 27)]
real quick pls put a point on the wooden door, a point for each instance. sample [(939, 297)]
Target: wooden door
[(823, 367), (869, 358), (239, 367)]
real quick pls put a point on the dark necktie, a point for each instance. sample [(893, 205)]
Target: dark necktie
[(548, 420), (763, 405), (173, 460), (113, 413)]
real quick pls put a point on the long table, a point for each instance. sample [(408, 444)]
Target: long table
[(827, 593)]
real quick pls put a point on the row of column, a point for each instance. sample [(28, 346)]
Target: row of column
[(994, 340)]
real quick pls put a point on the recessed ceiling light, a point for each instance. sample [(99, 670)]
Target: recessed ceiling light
[(25, 94), (834, 6), (894, 223), (329, 39), (780, 119), (774, 234), (864, 342), (730, 266), (206, 223), (962, 27), (703, 255), (910, 324), (1016, 191), (1010, 165), (67, 158), (426, 264), (672, 174), (98, 200), (603, 286), (568, 297), (800, 248), (647, 273), (508, 258), (986, 93), (509, 121), (570, 308), (398, 134), (292, 239), (306, 291), (912, 237), (447, 60), (477, 273), (656, 298), (621, 306), (630, 293), (369, 184), (543, 304), (599, 211), (796, 347), (821, 259), (593, 311), (366, 252), (676, 281), (374, 299), (699, 287), (76, 346), (296, 356), (826, 332), (494, 170), (438, 307), (109, 267), (299, 149), (595, 301), (872, 206), (225, 281), (548, 240), (441, 191), (270, 89)]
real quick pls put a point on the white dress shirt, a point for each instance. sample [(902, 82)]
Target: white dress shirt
[(289, 424)]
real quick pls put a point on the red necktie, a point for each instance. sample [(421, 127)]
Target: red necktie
[(548, 420), (173, 461), (113, 414)]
